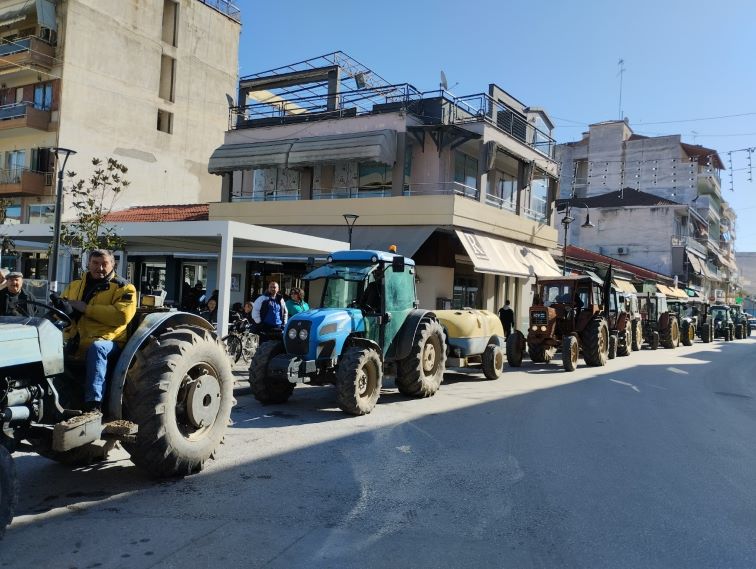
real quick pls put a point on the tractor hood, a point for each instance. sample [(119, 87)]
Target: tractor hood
[(329, 320), (320, 333)]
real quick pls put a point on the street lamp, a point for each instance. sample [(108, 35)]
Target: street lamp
[(350, 219), (53, 267), (566, 220)]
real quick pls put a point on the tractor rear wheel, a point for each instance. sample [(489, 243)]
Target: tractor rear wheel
[(625, 340), (8, 489), (420, 374), (637, 340), (596, 342), (268, 389), (358, 380), (492, 361), (179, 393), (515, 348), (570, 353)]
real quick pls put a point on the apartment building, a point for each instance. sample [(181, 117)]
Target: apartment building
[(144, 81), (655, 202), (465, 185)]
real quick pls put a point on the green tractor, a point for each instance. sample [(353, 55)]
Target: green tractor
[(168, 401), (369, 324)]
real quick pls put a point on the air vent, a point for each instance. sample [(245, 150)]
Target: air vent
[(622, 250)]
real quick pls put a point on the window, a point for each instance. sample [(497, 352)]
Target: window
[(374, 179), (165, 121), (170, 22), (19, 94), (539, 198), (42, 213), (41, 160), (506, 190), (15, 162), (465, 292), (581, 173), (466, 170), (12, 214), (43, 96), (167, 77), (271, 184)]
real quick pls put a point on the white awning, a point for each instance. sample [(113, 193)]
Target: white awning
[(375, 146), (500, 257), (624, 285)]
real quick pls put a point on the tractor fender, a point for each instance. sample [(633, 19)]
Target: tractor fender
[(360, 341), (402, 344), (151, 325)]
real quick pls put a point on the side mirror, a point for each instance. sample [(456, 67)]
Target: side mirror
[(397, 264)]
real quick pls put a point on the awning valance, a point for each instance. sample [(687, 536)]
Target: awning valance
[(500, 257), (374, 146), (624, 286)]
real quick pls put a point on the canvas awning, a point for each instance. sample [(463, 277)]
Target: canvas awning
[(624, 285), (665, 290), (373, 146), (678, 292), (500, 257), (21, 10)]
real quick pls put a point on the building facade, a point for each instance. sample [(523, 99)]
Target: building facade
[(655, 201), (463, 185), (142, 81)]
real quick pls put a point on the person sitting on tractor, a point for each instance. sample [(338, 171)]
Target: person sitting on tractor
[(14, 299), (101, 304)]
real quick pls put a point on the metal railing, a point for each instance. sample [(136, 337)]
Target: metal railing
[(348, 193), (14, 175), (14, 110), (224, 7), (444, 189), (438, 105), (501, 203)]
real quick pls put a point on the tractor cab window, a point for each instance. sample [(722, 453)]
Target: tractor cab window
[(613, 304), (556, 293), (344, 285), (584, 296), (662, 304)]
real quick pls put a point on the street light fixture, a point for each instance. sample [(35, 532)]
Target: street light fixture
[(566, 221), (53, 266), (350, 219)]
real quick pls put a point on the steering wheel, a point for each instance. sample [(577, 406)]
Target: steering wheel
[(59, 314), (362, 306)]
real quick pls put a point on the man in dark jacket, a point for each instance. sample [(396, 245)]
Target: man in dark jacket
[(506, 315), (14, 299)]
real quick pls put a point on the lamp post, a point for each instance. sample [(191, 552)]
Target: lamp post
[(350, 219), (53, 265), (566, 220)]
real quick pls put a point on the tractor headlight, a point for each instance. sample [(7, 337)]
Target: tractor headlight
[(303, 334), (534, 328), (292, 334), (543, 328)]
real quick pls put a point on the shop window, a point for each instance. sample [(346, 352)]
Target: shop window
[(42, 213), (466, 293)]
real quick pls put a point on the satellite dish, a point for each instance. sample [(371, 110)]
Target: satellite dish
[(444, 84), (230, 100)]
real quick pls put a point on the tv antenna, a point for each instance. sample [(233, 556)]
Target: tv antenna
[(621, 72)]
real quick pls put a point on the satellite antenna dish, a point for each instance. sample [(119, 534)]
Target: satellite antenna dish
[(444, 84), (359, 80), (230, 100)]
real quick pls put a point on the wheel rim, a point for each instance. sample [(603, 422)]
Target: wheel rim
[(366, 381), (499, 360), (574, 352), (429, 357), (198, 401)]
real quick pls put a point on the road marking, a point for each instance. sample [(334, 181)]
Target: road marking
[(630, 385), (678, 370)]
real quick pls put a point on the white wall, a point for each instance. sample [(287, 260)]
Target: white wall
[(433, 283)]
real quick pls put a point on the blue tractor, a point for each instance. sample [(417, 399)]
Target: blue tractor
[(168, 402), (369, 323)]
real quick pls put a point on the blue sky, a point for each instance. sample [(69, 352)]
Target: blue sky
[(686, 62)]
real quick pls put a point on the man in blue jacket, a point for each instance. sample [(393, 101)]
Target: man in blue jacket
[(269, 311)]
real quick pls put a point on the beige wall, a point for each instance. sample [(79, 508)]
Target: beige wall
[(433, 283), (111, 77)]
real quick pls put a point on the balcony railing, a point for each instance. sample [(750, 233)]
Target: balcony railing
[(224, 7), (21, 182), (501, 203), (698, 245), (28, 51), (433, 106), (24, 114), (443, 189), (348, 193)]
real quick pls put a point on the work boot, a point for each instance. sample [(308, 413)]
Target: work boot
[(90, 406)]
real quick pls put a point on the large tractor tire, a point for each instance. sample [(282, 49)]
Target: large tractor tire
[(738, 332), (268, 389), (706, 333), (613, 342), (515, 348), (670, 338), (625, 340), (688, 333), (8, 489), (596, 342), (654, 340), (358, 380), (570, 353), (492, 361), (540, 353), (637, 341), (420, 374), (179, 393)]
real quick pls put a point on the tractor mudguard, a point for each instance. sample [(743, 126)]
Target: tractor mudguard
[(402, 344), (362, 342), (150, 325)]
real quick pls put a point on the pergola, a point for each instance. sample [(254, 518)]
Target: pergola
[(224, 239)]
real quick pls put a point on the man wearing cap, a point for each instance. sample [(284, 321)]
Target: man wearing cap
[(101, 305), (14, 299)]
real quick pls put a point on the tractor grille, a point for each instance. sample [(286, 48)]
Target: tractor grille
[(539, 317), (297, 346)]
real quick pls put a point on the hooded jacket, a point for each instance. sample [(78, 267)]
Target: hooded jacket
[(110, 308)]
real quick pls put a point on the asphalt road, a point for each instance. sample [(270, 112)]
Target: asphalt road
[(647, 462)]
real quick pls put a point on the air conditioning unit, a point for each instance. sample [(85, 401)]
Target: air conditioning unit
[(622, 250)]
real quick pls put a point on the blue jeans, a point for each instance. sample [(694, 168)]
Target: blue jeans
[(101, 357)]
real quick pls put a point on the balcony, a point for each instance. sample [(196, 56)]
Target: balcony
[(22, 54), (691, 243), (22, 182), (709, 183), (225, 7), (22, 118)]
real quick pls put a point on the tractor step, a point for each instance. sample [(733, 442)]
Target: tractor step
[(77, 431), (119, 428)]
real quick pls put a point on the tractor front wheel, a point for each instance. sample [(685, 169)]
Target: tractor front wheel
[(637, 340), (180, 394), (8, 489), (688, 333), (515, 348), (358, 380), (613, 342), (420, 374), (570, 353), (706, 333), (493, 361), (268, 389), (625, 340)]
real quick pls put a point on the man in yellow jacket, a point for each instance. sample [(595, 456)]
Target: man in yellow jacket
[(101, 305)]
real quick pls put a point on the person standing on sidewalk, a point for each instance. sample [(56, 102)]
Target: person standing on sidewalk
[(506, 315)]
